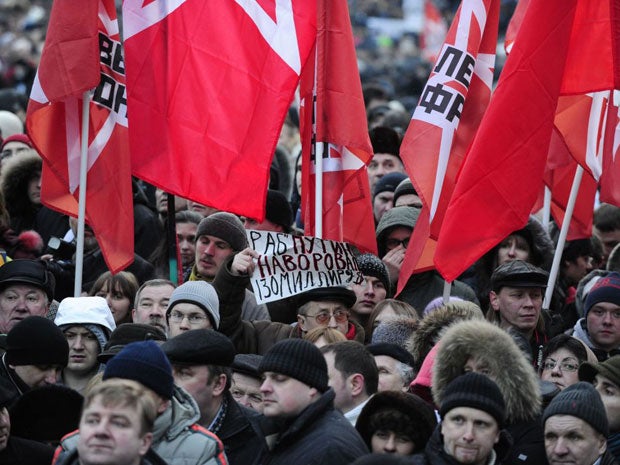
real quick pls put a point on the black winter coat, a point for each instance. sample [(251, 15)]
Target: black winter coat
[(318, 435), (20, 451), (240, 433)]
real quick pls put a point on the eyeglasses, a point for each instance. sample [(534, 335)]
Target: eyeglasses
[(564, 365), (393, 243), (323, 318), (192, 318)]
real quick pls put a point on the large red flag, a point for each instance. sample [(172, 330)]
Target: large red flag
[(342, 140), (503, 171), (209, 83), (83, 51), (446, 119)]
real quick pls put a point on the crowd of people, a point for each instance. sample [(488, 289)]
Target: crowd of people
[(142, 368)]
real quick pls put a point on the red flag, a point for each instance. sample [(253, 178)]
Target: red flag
[(83, 51), (433, 32), (503, 171), (210, 82), (447, 117), (515, 24), (342, 140)]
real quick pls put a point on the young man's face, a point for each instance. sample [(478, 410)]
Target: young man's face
[(111, 435), (603, 323), (83, 349), (211, 252), (610, 395), (284, 396), (469, 435), (519, 307)]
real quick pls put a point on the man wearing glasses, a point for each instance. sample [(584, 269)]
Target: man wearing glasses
[(328, 306), (193, 305)]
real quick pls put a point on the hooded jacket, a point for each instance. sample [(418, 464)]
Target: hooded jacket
[(177, 438), (72, 458), (512, 373), (580, 332)]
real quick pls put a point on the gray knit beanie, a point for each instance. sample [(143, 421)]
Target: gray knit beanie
[(582, 401), (225, 226), (199, 293)]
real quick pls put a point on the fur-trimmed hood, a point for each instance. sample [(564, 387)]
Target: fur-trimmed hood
[(429, 328), (17, 171), (508, 366)]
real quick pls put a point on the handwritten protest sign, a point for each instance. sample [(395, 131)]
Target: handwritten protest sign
[(289, 265)]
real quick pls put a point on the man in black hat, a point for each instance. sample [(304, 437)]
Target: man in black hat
[(386, 158), (298, 399), (278, 215), (36, 352), (246, 381), (26, 289), (201, 360), (576, 428), (516, 300), (395, 366)]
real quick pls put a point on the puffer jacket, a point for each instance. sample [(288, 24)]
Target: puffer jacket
[(435, 454), (177, 438), (72, 458), (512, 373), (318, 435)]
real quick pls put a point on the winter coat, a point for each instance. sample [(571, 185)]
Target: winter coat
[(608, 458), (240, 432), (16, 175), (252, 337), (512, 373), (318, 435), (11, 385), (177, 438), (434, 453), (580, 332), (21, 451), (72, 458)]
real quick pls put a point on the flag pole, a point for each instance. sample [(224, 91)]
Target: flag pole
[(546, 212), (79, 250), (318, 155), (563, 233), (171, 239)]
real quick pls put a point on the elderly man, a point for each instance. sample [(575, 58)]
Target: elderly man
[(36, 352), (395, 366), (599, 329), (605, 377), (115, 427), (296, 395), (246, 381), (218, 237), (471, 430), (576, 428), (178, 439), (353, 376), (151, 303), (201, 360), (26, 289)]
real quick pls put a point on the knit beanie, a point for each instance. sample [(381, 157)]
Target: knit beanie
[(405, 187), (371, 265), (606, 289), (198, 293), (36, 341), (388, 183), (298, 359), (582, 401), (225, 226), (406, 217), (475, 391), (278, 210), (145, 363)]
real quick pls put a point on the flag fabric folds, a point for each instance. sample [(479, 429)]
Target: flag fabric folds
[(209, 83), (333, 117), (446, 119), (82, 52), (503, 170)]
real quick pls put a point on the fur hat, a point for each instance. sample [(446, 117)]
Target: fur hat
[(582, 401), (198, 293), (385, 140), (397, 331), (225, 226), (298, 359), (400, 412), (507, 365)]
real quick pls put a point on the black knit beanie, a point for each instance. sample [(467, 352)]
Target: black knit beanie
[(298, 359), (225, 226), (371, 265), (36, 341), (582, 401), (475, 391)]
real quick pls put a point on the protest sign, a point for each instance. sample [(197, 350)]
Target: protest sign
[(289, 265)]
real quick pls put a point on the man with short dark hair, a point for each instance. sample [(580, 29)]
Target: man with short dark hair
[(201, 360), (606, 228), (353, 376), (278, 215), (297, 397), (576, 428)]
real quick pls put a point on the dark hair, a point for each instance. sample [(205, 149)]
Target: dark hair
[(607, 218), (351, 357), (564, 341), (577, 248), (216, 370), (125, 281), (187, 216)]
